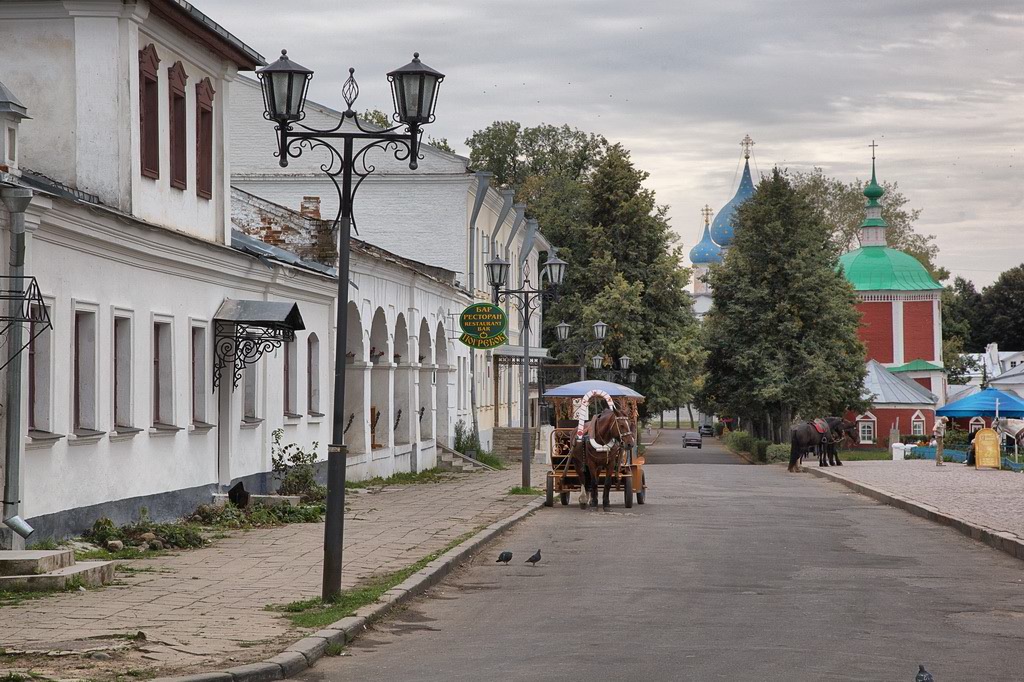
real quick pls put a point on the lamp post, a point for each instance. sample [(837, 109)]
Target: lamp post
[(414, 91), (600, 330), (526, 299)]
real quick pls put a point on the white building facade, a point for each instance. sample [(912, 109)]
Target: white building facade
[(132, 240)]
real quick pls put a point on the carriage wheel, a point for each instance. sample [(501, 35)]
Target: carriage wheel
[(564, 499), (549, 499), (641, 495), (628, 485)]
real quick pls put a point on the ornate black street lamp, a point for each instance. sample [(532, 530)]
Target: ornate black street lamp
[(414, 91), (526, 300)]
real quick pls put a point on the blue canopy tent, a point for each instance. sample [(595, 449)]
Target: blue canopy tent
[(984, 404), (578, 389)]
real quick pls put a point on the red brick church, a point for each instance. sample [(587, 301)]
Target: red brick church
[(901, 328)]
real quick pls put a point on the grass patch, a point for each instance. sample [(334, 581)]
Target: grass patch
[(864, 455), (44, 545), (315, 613), (490, 460), (520, 490), (404, 478), (126, 554), (334, 649)]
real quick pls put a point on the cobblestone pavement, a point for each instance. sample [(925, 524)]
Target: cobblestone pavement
[(985, 497), (206, 607)]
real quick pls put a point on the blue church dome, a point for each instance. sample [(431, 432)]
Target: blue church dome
[(723, 228), (706, 251)]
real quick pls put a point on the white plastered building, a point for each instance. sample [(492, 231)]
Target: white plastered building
[(132, 241)]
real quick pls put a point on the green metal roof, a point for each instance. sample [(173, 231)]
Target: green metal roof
[(879, 268), (916, 366)]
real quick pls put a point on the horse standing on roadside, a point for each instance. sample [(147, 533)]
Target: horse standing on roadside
[(821, 439), (601, 447)]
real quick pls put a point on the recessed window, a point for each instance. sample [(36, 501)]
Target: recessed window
[(163, 376), (122, 371), (290, 379), (40, 352), (199, 375), (149, 111), (977, 424), (917, 427), (176, 79), (84, 398), (313, 375), (204, 138), (249, 398)]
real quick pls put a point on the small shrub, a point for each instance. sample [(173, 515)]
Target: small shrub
[(777, 453), (171, 535), (466, 440), (296, 469), (490, 459), (719, 428), (740, 441), (760, 450)]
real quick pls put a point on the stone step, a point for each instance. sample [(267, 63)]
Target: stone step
[(34, 561), (221, 499), (87, 573)]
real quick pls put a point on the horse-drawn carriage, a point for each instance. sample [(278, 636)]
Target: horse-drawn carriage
[(574, 404)]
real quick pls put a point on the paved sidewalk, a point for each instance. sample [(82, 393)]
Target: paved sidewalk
[(985, 498), (205, 607)]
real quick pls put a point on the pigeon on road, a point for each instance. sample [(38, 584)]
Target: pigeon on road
[(534, 559), (504, 558), (923, 675)]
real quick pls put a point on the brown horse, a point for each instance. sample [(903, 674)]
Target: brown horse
[(610, 431)]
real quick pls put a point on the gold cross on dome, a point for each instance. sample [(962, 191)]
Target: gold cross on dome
[(706, 212), (746, 143)]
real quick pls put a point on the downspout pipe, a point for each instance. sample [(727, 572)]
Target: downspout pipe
[(507, 195), (483, 180), (16, 200)]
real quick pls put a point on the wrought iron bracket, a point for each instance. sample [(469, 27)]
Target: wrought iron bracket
[(31, 309), (237, 345)]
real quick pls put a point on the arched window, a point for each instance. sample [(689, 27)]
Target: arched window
[(149, 111), (176, 79), (867, 429), (313, 376), (977, 424)]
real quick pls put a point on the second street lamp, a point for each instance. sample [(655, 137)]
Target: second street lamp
[(527, 300), (414, 90)]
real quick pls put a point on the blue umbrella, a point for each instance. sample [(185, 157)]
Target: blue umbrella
[(985, 403)]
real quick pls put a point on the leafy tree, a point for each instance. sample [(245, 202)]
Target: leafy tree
[(440, 143), (377, 118), (960, 307), (841, 206), (515, 154), (781, 335), (625, 269), (1000, 313)]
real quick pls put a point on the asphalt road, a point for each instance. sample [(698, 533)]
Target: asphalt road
[(731, 572)]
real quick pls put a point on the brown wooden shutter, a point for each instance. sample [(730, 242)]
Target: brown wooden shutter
[(204, 138), (149, 113), (176, 79)]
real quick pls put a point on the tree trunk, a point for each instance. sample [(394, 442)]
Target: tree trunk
[(689, 410)]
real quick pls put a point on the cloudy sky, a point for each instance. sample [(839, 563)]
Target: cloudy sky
[(936, 82)]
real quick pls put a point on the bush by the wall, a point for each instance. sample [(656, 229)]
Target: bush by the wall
[(777, 453)]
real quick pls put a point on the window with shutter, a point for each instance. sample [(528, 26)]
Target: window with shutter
[(149, 114), (176, 79), (204, 138)]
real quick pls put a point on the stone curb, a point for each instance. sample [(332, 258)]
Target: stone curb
[(1004, 541), (308, 650)]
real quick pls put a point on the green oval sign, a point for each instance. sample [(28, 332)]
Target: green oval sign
[(483, 326)]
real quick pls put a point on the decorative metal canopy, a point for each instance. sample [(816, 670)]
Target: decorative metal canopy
[(31, 309), (245, 330)]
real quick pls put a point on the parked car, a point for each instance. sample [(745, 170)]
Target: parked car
[(706, 430), (692, 438)]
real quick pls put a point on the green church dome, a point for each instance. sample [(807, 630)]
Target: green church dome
[(879, 268)]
